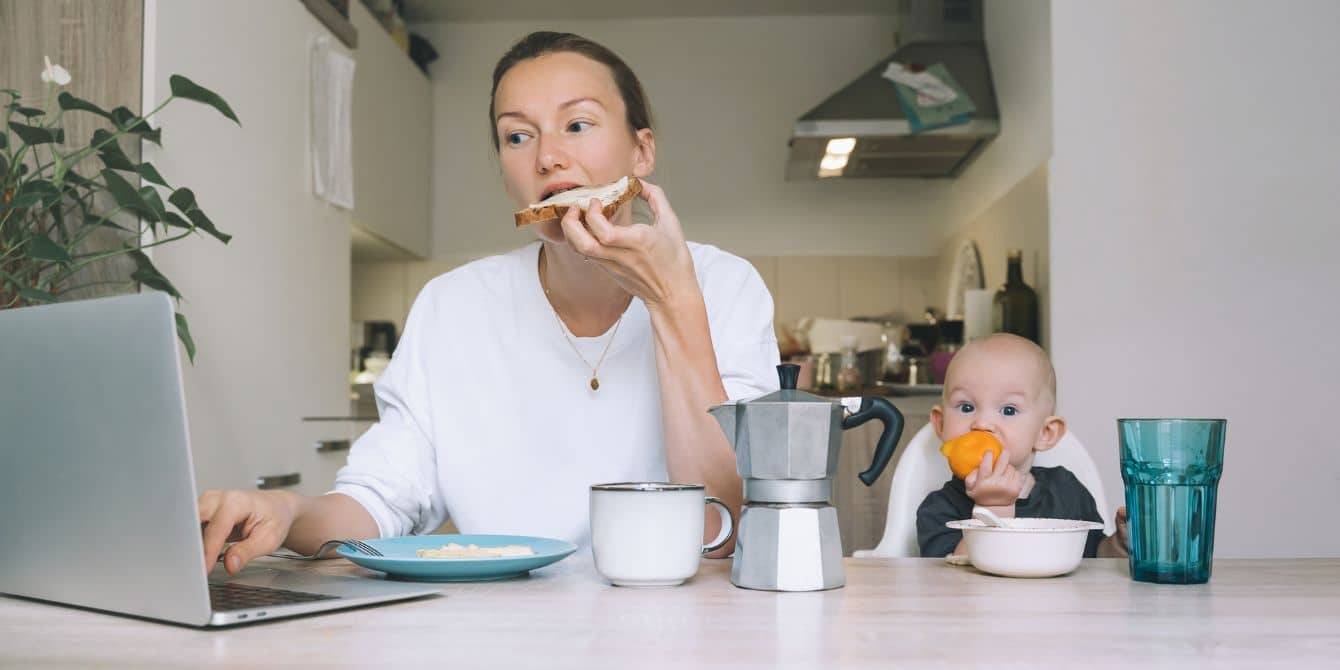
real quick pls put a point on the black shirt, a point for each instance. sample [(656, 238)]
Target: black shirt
[(1056, 494)]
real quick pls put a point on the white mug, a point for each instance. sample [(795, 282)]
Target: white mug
[(651, 533)]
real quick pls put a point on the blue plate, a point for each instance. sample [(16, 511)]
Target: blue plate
[(401, 562)]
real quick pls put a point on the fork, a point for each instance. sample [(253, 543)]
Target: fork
[(356, 545)]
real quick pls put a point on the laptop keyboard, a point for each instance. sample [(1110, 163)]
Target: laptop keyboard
[(228, 596)]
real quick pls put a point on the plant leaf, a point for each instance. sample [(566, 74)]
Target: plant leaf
[(183, 199), (4, 140), (149, 275), (41, 247), (28, 112), (184, 334), (24, 201), (151, 200), (128, 121), (34, 192), (35, 295), (174, 219), (92, 220), (34, 135), (69, 102), (127, 197), (111, 154), (4, 164), (185, 88), (150, 174), (202, 222)]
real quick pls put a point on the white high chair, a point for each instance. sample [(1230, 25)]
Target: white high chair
[(922, 469)]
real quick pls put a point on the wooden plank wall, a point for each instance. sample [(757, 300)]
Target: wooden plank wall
[(100, 43)]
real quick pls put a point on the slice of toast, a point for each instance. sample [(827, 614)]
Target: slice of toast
[(612, 195)]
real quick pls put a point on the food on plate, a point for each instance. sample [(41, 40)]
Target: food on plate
[(453, 550)]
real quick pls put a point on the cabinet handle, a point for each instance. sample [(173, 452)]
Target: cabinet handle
[(327, 446), (266, 482)]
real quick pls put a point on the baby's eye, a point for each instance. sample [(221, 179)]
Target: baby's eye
[(1009, 410), (965, 408), (578, 126)]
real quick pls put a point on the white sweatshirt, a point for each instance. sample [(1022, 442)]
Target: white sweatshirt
[(487, 414)]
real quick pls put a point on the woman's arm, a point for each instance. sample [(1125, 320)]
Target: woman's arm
[(653, 263), (695, 448)]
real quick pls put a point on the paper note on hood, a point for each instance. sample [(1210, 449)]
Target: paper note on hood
[(931, 91)]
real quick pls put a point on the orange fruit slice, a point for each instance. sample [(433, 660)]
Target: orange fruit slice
[(965, 452)]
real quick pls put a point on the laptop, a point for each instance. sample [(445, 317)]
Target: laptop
[(97, 493)]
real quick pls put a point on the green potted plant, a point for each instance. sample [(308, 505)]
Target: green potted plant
[(54, 197)]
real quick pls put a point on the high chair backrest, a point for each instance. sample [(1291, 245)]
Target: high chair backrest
[(921, 469)]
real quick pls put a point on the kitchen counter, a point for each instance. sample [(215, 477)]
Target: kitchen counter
[(913, 612)]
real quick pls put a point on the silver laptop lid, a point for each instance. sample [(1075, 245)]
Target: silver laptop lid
[(97, 494)]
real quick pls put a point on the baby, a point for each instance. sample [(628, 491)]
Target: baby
[(1006, 386)]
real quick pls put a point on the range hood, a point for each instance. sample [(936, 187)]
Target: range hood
[(867, 109)]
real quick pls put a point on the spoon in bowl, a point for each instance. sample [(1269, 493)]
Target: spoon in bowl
[(987, 517)]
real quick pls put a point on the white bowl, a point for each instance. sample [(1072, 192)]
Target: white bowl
[(1026, 547)]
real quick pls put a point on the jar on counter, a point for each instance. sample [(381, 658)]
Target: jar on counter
[(849, 378)]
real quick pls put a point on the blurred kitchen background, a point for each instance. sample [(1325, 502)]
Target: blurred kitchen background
[(1174, 219)]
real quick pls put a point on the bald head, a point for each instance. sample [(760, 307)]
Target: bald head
[(1016, 359)]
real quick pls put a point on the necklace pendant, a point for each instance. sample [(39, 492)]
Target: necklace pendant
[(595, 384)]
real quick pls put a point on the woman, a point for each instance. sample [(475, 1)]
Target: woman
[(588, 356)]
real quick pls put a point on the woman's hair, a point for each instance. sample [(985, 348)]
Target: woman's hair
[(536, 44)]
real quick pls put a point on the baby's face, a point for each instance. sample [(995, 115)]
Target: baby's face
[(1001, 389)]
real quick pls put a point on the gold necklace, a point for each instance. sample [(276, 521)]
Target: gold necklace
[(562, 328), (595, 369)]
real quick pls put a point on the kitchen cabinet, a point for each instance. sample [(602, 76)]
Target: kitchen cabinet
[(392, 128), (862, 510), (326, 450), (270, 310)]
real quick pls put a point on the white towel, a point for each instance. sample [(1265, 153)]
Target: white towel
[(332, 124)]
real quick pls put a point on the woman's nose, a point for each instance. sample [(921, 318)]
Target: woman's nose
[(550, 158)]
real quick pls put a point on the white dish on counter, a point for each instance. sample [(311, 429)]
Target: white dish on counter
[(1026, 547)]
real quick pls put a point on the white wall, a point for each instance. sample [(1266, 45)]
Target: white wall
[(1194, 204), (725, 92), (1017, 220), (1018, 43)]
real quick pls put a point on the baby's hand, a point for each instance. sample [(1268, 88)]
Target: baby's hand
[(1118, 544), (994, 485)]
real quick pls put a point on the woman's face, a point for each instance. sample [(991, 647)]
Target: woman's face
[(561, 123)]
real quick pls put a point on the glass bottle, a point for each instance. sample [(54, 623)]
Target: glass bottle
[(1015, 307), (849, 375)]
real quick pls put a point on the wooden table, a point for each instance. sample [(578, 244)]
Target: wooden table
[(893, 613)]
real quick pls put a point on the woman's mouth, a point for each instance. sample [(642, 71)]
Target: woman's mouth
[(554, 189)]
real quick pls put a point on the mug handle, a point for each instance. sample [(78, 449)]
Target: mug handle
[(727, 525)]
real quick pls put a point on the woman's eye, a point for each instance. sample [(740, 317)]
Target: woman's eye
[(514, 139), (1009, 410), (578, 126), (965, 408)]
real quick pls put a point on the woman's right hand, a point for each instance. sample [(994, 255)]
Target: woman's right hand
[(258, 521)]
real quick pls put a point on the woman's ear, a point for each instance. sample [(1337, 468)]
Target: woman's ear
[(938, 421), (1053, 429), (644, 156)]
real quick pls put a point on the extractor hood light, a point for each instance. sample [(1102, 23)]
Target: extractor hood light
[(833, 162), (841, 145)]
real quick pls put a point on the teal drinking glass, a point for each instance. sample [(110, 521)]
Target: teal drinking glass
[(1171, 469)]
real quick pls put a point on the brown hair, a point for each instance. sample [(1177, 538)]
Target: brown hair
[(536, 44)]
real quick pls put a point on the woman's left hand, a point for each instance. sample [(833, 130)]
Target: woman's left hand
[(650, 261)]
